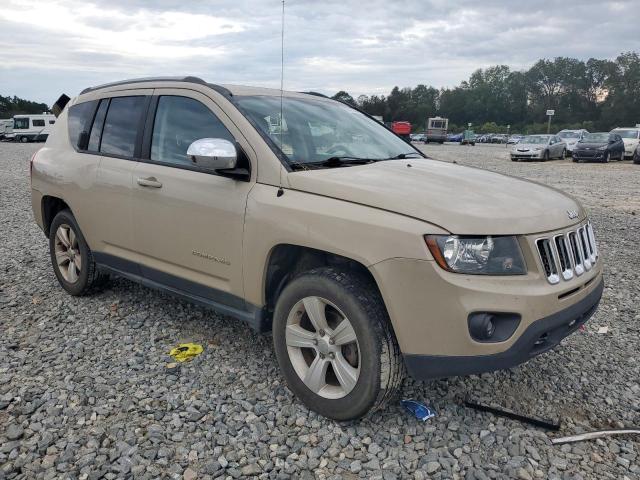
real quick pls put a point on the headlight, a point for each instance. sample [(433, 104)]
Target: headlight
[(477, 255), (602, 148), (537, 149)]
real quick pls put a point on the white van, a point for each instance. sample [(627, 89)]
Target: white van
[(32, 128), (6, 128), (630, 137)]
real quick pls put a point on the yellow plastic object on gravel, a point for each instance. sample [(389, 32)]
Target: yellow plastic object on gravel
[(185, 352)]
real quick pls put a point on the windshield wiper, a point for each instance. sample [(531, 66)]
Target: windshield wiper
[(402, 156)]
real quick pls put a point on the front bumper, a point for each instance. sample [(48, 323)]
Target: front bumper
[(539, 337), (535, 155), (588, 155)]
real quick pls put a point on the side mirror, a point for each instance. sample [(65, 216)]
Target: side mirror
[(213, 154)]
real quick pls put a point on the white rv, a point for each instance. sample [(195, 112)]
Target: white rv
[(6, 128), (32, 128)]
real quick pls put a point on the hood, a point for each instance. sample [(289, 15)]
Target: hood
[(461, 200), (591, 145), (530, 146)]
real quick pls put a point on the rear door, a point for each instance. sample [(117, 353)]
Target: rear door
[(188, 223), (116, 136)]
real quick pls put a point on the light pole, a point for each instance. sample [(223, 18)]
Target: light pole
[(506, 144)]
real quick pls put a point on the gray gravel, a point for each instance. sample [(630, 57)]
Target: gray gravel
[(85, 391)]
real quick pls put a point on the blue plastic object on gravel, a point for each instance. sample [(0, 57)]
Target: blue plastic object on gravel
[(419, 410)]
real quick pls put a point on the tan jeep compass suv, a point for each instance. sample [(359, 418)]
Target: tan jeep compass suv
[(301, 215)]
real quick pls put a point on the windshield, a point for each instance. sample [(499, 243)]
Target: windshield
[(535, 139), (20, 123), (316, 130), (569, 135), (628, 133), (596, 138)]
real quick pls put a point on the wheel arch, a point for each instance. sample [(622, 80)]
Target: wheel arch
[(285, 261), (50, 207)]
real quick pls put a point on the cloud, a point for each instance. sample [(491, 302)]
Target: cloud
[(49, 46)]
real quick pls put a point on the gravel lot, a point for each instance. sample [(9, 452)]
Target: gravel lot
[(85, 391)]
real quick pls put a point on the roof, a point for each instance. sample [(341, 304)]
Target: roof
[(239, 90)]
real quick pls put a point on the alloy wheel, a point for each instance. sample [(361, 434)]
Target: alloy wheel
[(67, 253), (323, 347)]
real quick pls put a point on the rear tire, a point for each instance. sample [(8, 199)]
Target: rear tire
[(71, 258), (24, 139), (302, 341)]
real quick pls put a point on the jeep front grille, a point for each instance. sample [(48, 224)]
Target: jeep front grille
[(568, 254)]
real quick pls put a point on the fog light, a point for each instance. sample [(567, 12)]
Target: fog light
[(481, 326), (491, 327)]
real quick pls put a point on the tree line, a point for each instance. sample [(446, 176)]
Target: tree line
[(596, 95), (10, 106)]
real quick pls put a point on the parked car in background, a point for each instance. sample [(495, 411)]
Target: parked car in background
[(6, 128), (571, 137), (437, 129), (499, 138), (402, 129), (636, 155), (418, 137), (32, 128), (468, 138), (599, 147), (630, 137), (183, 186), (539, 147), (455, 137), (515, 138)]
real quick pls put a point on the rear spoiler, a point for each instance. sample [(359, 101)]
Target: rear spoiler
[(58, 107)]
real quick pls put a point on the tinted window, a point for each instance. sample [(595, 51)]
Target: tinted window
[(121, 126), (98, 123), (179, 122), (38, 123), (80, 117)]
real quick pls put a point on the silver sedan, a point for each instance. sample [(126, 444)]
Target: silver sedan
[(539, 147)]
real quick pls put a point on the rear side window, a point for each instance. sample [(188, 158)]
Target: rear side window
[(179, 122), (98, 123), (38, 123), (121, 126), (80, 117)]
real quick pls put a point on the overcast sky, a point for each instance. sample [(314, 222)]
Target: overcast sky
[(55, 46)]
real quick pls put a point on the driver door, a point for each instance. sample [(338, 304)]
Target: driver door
[(188, 224)]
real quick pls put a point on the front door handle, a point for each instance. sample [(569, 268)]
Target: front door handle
[(149, 182)]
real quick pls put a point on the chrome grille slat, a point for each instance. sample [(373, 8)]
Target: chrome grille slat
[(568, 254)]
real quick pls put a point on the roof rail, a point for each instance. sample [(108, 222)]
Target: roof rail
[(188, 79)]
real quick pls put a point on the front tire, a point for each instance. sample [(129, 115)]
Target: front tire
[(334, 344), (71, 258), (605, 157), (545, 157)]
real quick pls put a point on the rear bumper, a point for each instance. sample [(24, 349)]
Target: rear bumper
[(541, 336)]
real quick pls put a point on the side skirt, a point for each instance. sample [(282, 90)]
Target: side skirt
[(207, 297)]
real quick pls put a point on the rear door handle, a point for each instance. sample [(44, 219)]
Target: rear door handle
[(149, 182)]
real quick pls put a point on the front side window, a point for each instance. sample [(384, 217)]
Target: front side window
[(80, 117), (20, 123), (179, 122), (121, 126), (314, 130)]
